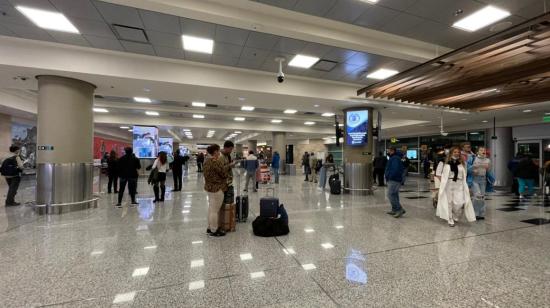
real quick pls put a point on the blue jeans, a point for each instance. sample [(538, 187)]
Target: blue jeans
[(530, 183), (478, 190), (405, 172), (275, 174), (393, 195)]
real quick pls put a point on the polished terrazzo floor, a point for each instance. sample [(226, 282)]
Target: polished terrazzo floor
[(342, 251)]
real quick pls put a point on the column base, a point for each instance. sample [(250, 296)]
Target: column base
[(61, 208)]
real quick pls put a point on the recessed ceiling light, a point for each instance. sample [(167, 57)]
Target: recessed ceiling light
[(197, 44), (242, 99), (303, 61), (276, 121), (198, 116), (484, 121), (290, 111), (101, 110), (527, 110), (316, 105), (186, 130), (198, 104), (47, 19), (151, 113), (238, 132), (382, 73), (327, 114), (247, 108), (309, 123), (125, 127), (130, 130), (369, 1), (240, 119), (142, 99), (482, 18), (146, 89)]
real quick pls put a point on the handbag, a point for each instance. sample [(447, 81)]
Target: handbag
[(153, 176)]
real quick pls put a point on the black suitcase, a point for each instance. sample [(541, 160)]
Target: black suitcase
[(242, 208), (269, 205), (335, 184)]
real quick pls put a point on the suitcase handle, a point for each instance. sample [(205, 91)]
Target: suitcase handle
[(267, 189)]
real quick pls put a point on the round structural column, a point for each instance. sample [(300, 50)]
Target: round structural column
[(65, 172), (357, 159), (253, 145), (502, 151), (279, 145), (239, 149)]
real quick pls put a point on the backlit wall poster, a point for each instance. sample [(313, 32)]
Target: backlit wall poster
[(24, 136), (146, 141), (166, 144), (357, 122)]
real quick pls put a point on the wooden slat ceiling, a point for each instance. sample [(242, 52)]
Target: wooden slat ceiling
[(506, 69)]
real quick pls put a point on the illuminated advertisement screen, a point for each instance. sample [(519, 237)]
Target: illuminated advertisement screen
[(412, 154), (146, 141), (166, 144), (357, 127)]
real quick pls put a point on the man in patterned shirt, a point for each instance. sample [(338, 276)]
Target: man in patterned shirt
[(229, 194)]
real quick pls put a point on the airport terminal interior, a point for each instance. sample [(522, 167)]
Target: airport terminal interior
[(275, 153)]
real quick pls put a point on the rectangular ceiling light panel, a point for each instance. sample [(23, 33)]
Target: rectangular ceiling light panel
[(101, 110), (142, 100), (482, 18), (198, 104), (48, 20), (197, 44), (382, 73), (302, 61), (247, 108)]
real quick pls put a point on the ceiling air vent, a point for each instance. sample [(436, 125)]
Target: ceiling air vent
[(324, 65), (130, 34)]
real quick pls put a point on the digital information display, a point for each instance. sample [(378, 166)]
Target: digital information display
[(357, 122), (412, 154), (166, 144), (146, 141)]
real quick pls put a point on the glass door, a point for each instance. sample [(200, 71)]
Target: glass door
[(533, 148)]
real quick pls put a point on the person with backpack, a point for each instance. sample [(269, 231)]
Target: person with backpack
[(394, 178), (11, 170), (128, 166)]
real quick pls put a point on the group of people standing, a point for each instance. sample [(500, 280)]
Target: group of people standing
[(312, 165)]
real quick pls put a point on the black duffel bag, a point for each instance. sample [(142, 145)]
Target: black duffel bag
[(268, 227)]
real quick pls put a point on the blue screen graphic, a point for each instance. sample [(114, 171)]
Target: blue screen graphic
[(357, 127)]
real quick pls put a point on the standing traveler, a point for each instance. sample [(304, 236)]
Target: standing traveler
[(11, 170), (200, 161), (394, 177), (251, 164), (177, 170), (215, 183), (229, 193), (162, 166), (466, 152), (128, 166), (313, 167), (307, 166), (112, 172), (480, 171), (527, 173), (406, 163), (275, 165), (426, 165), (512, 166), (379, 164), (454, 195)]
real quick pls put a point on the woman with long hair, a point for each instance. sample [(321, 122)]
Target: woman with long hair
[(480, 170), (215, 183), (162, 166), (112, 172), (454, 196)]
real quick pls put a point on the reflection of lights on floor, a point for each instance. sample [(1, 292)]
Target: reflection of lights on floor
[(150, 247), (197, 263), (289, 251), (186, 206), (185, 212), (142, 271), (309, 266), (339, 227), (142, 228), (309, 230), (196, 242), (195, 285), (257, 275), (246, 256), (96, 252), (124, 297), (327, 245)]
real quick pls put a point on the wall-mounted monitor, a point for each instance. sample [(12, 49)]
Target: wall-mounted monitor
[(146, 141), (357, 123), (412, 154), (166, 144)]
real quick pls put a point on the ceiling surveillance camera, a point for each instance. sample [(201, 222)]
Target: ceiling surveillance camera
[(280, 74)]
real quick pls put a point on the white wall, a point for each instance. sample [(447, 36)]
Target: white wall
[(539, 131)]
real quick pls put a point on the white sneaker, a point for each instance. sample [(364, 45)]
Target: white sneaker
[(451, 224)]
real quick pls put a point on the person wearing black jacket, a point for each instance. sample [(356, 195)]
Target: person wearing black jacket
[(379, 168), (177, 170), (526, 173), (128, 166), (112, 172)]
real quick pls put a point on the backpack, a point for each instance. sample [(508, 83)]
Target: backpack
[(9, 167)]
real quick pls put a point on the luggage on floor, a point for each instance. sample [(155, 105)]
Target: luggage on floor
[(268, 226), (226, 220), (242, 208), (335, 184), (269, 204)]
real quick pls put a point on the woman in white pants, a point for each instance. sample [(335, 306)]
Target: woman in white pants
[(454, 196)]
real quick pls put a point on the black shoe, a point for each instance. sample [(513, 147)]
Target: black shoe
[(399, 213), (118, 206), (208, 231), (480, 218), (218, 233), (135, 203), (108, 192), (155, 201), (390, 213)]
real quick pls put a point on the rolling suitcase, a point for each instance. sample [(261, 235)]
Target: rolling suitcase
[(269, 205), (226, 220), (241, 212), (335, 184)]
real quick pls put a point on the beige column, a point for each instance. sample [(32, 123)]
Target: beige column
[(358, 160), (239, 149), (279, 145), (5, 136), (65, 174), (252, 145)]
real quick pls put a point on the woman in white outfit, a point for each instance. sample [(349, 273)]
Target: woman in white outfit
[(454, 196)]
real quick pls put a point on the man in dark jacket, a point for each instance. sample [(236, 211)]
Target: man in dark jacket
[(11, 170), (177, 170), (394, 177), (128, 166), (380, 163)]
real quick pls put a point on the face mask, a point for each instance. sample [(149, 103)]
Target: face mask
[(455, 157)]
